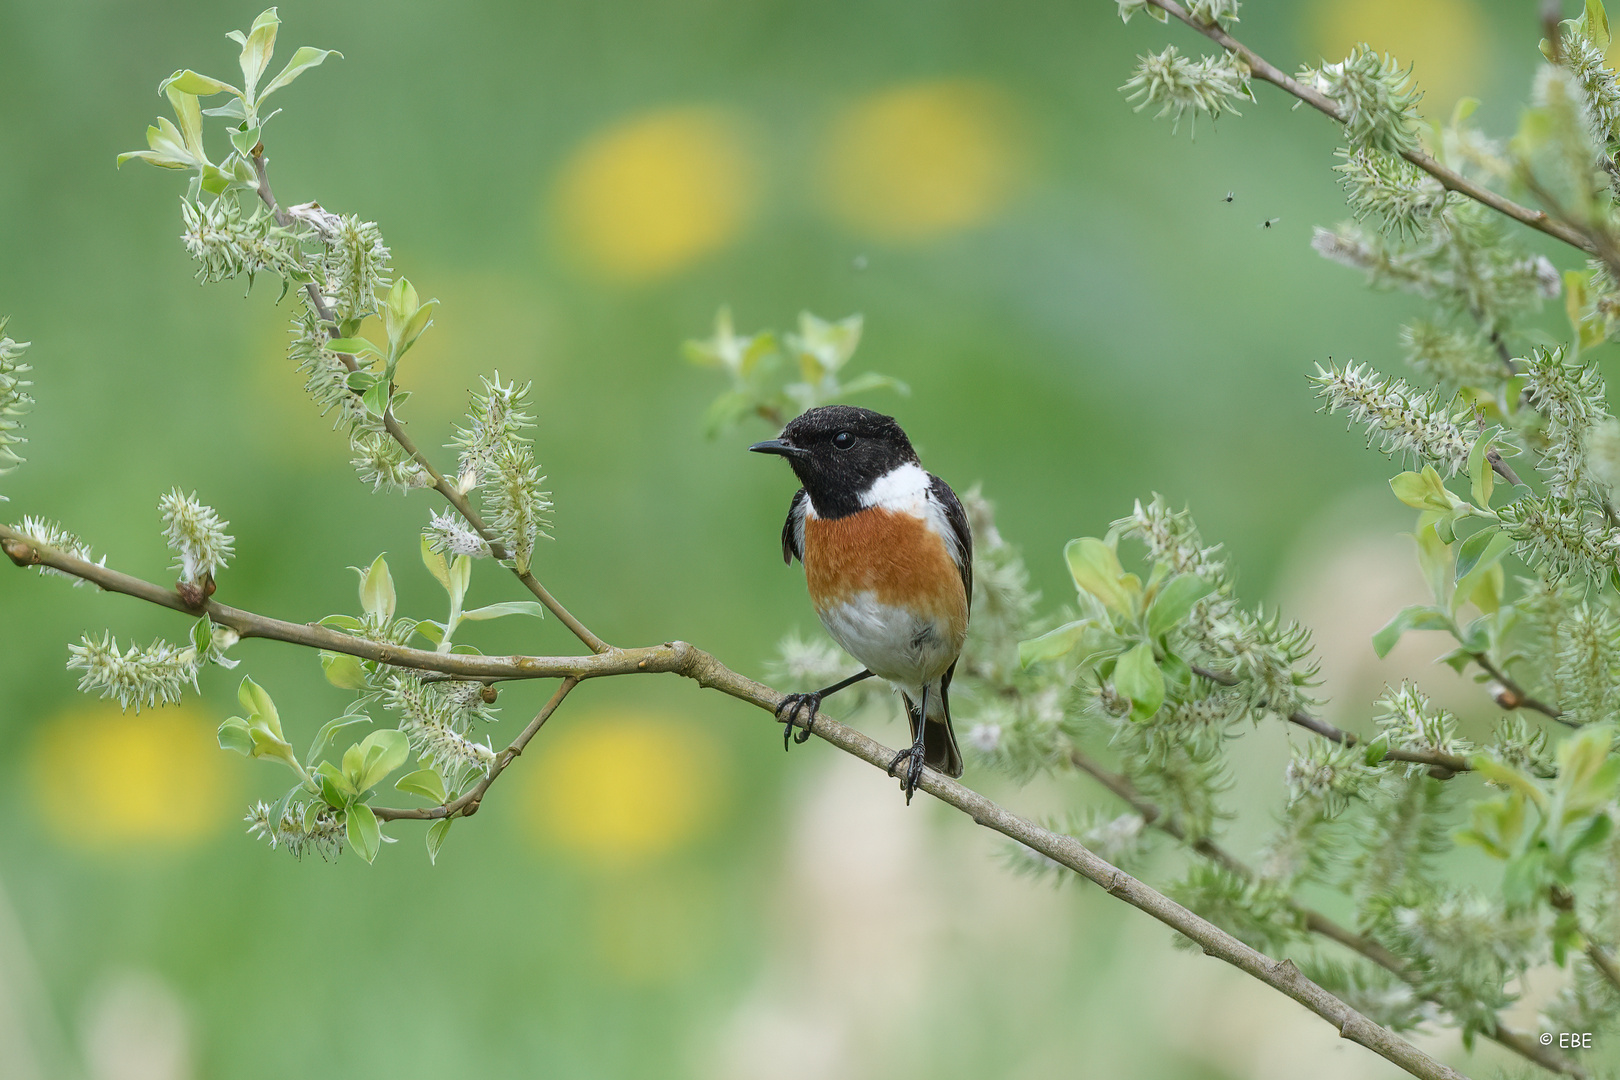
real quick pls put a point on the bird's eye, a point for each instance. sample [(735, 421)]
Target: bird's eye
[(843, 440)]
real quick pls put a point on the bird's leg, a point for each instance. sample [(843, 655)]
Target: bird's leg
[(913, 755), (787, 710)]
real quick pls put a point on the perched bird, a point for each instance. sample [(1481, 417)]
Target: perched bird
[(888, 557)]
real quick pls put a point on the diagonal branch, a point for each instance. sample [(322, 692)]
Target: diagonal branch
[(1449, 179), (443, 486), (690, 662), (1441, 766), (1314, 921)]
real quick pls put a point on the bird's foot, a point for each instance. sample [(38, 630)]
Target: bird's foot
[(911, 775), (788, 710)]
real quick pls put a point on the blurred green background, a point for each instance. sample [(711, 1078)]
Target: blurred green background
[(656, 890)]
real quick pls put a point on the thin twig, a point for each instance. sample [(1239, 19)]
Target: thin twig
[(443, 486), (1441, 765), (1563, 900), (467, 805), (701, 667), (1314, 921), (1513, 696), (1449, 179)]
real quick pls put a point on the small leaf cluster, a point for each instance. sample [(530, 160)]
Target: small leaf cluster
[(762, 367), (435, 721)]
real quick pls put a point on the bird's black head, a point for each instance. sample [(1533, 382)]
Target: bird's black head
[(837, 451)]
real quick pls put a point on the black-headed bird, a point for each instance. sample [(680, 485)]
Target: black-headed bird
[(888, 557)]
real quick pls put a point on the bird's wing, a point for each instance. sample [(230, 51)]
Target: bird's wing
[(793, 529), (961, 531)]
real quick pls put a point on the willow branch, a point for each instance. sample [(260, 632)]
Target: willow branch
[(25, 551), (443, 486), (467, 805), (1314, 921), (690, 662), (1441, 766), (1513, 696), (1451, 180)]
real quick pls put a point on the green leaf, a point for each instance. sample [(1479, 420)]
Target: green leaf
[(1506, 776), (1475, 559), (1416, 617), (426, 783), (860, 384), (1138, 677), (233, 735), (352, 346), (188, 114), (1481, 477), (342, 622), (1424, 491), (511, 607), (377, 596), (381, 752), (416, 325), (258, 704), (1095, 567), (202, 636), (329, 730), (189, 82), (1052, 644), (302, 60), (257, 48), (376, 398), (1597, 24), (1434, 557), (1595, 833), (231, 110), (460, 577), (725, 411), (364, 834), (435, 837), (1175, 601), (435, 564), (343, 671)]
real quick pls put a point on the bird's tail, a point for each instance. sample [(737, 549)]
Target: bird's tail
[(940, 751)]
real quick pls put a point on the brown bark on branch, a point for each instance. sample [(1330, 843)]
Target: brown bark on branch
[(1441, 766), (1449, 179), (690, 662), (1314, 921)]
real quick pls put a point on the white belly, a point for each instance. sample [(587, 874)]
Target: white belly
[(908, 650)]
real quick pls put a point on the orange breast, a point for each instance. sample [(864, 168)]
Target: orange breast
[(895, 556)]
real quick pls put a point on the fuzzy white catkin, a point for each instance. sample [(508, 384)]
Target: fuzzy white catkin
[(196, 535)]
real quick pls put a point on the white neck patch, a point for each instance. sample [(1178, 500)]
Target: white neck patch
[(902, 490)]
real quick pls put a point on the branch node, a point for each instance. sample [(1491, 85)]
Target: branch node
[(19, 552)]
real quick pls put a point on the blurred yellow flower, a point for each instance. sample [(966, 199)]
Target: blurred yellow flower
[(916, 161), (1440, 39), (105, 777), (652, 193), (615, 788)]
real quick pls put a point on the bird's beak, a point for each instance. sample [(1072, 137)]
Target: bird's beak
[(778, 446)]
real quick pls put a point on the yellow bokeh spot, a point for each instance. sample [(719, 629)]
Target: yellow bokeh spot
[(1440, 39), (651, 194), (917, 161), (616, 788), (104, 777)]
